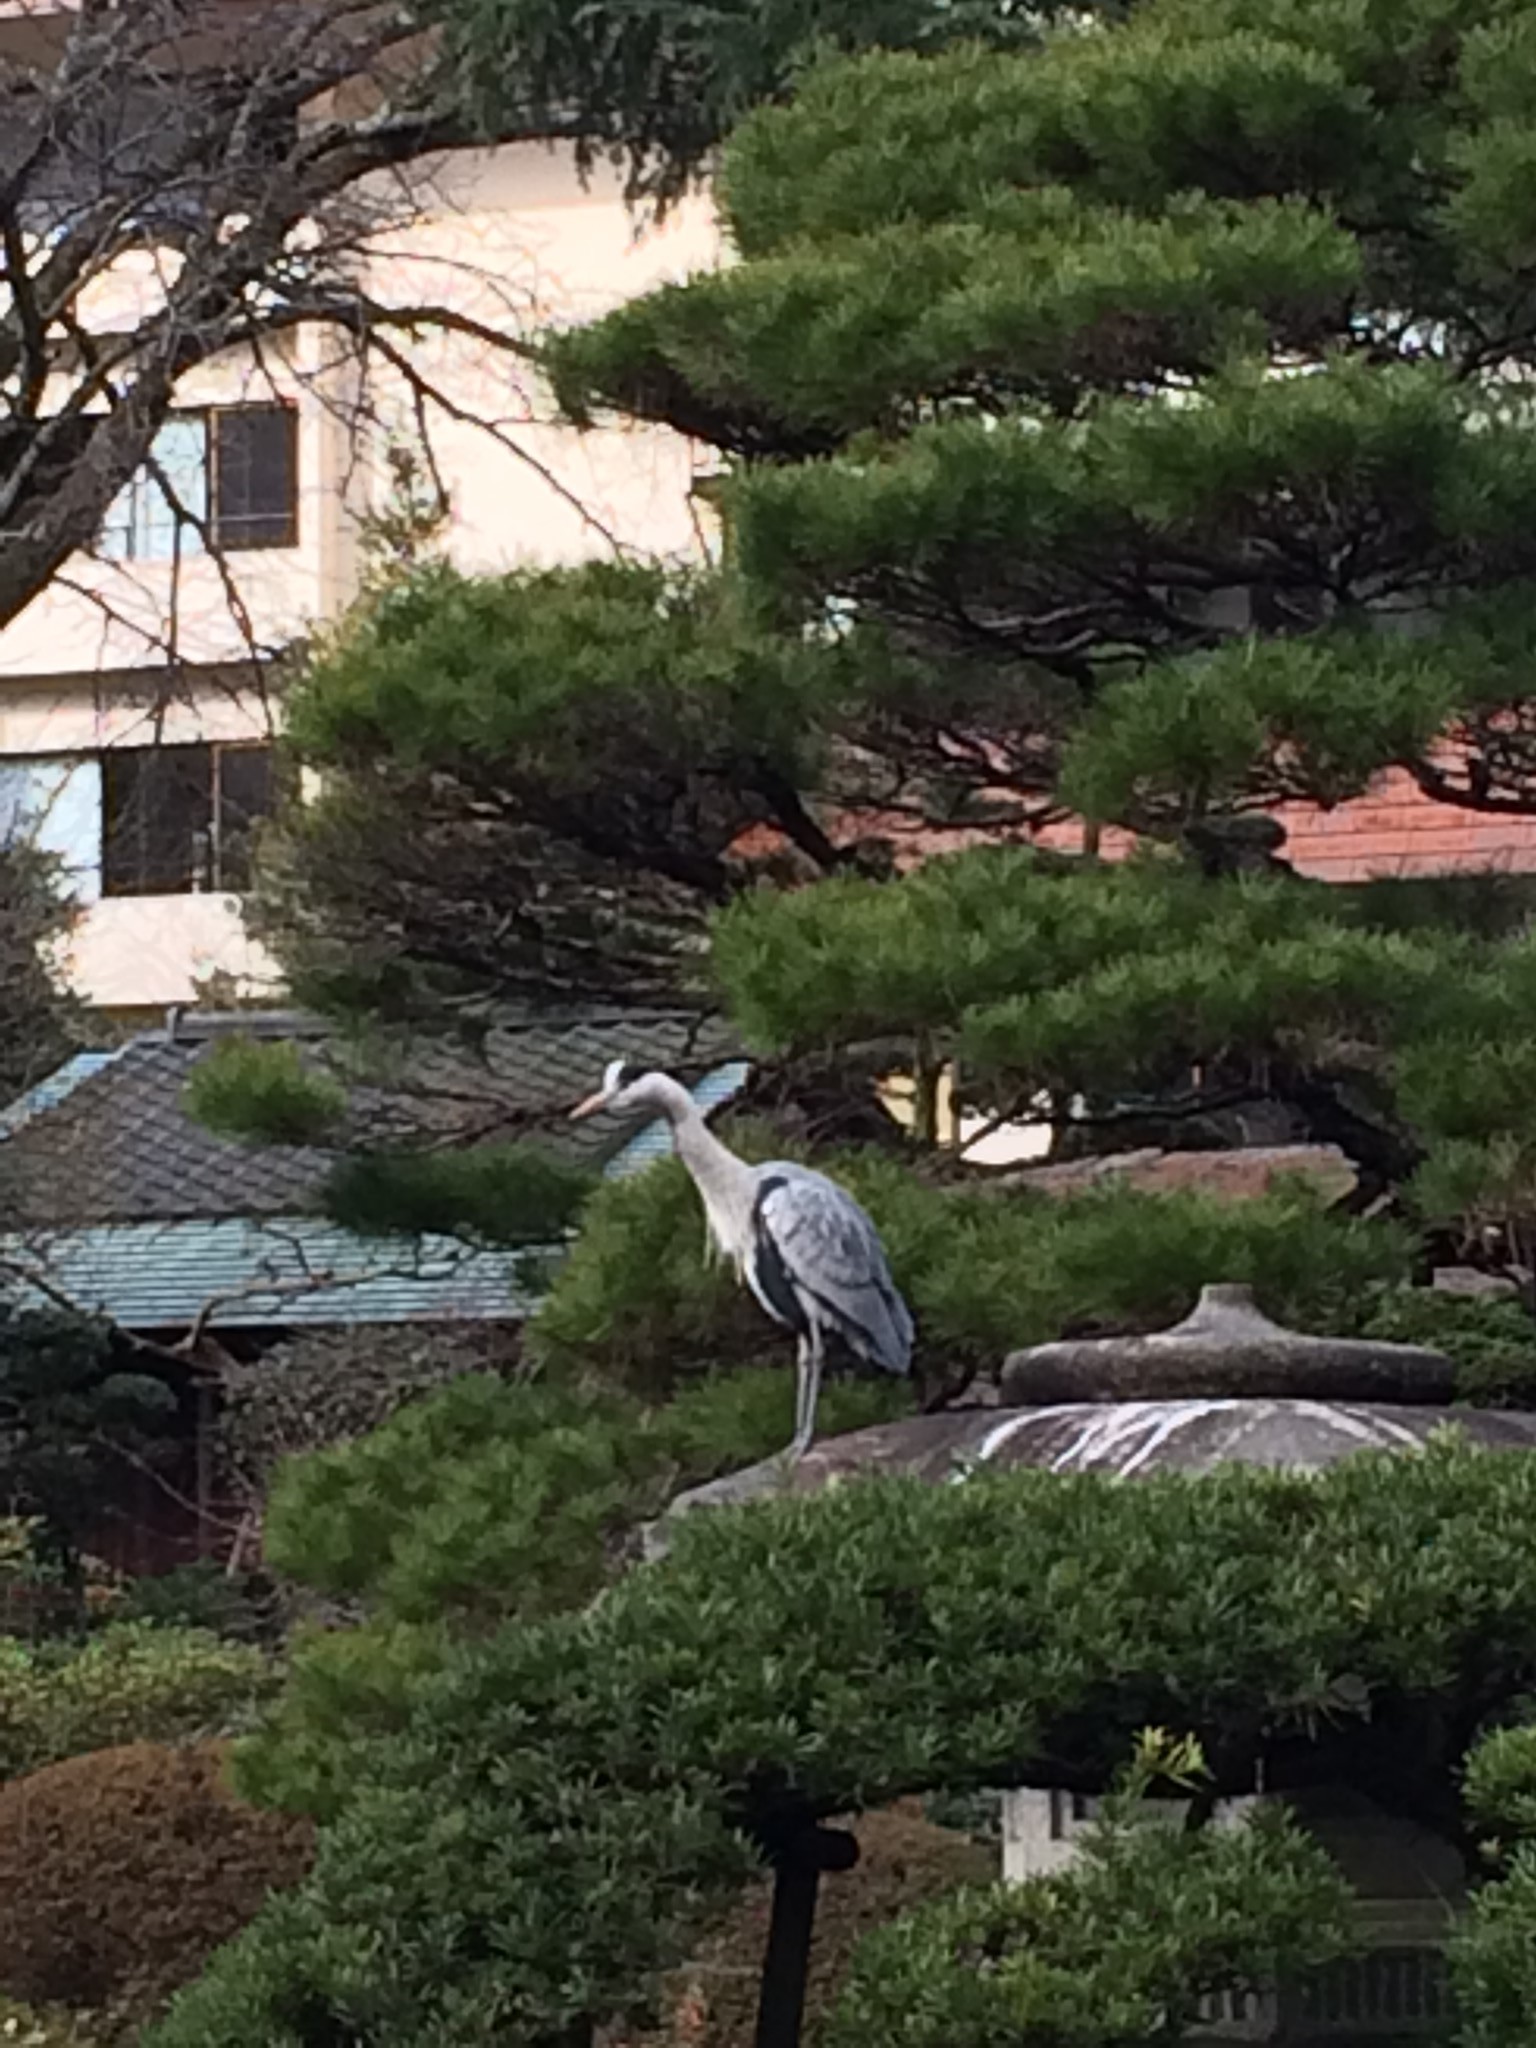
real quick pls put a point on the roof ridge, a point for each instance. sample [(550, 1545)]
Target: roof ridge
[(56, 1087)]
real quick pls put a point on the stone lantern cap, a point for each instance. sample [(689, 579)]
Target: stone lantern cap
[(1226, 1348), (1224, 1387)]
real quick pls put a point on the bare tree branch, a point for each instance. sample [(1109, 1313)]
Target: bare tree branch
[(242, 171)]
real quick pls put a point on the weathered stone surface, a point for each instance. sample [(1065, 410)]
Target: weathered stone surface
[(1125, 1439), (1225, 1347), (1472, 1281), (1241, 1175)]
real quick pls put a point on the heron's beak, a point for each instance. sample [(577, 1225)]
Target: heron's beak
[(591, 1106)]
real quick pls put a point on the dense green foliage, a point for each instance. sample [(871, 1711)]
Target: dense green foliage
[(131, 1682), (1116, 1952), (1406, 1043), (1495, 1958), (262, 1090), (1020, 519), (587, 1780), (1492, 1343), (657, 84), (504, 1194), (569, 713), (495, 1500), (73, 1401)]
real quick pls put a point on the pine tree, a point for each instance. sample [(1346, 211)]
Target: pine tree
[(1130, 430), (1133, 431)]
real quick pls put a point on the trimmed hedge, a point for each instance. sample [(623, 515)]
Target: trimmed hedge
[(572, 1796), (122, 1871), (132, 1682)]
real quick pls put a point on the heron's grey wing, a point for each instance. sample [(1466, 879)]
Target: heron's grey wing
[(828, 1252)]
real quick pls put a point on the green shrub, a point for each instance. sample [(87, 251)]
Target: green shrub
[(121, 1871), (492, 1495), (505, 1194), (1500, 1781), (261, 1090), (132, 1682), (571, 1796), (1493, 1955), (203, 1596), (1492, 1343), (489, 1501), (497, 1499), (1116, 1952)]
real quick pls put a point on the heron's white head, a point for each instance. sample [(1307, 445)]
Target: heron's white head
[(624, 1091)]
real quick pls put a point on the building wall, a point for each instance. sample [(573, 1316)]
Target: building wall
[(124, 653)]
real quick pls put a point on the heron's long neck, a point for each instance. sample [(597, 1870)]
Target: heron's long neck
[(726, 1183)]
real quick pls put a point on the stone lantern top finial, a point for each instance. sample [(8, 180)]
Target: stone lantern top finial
[(1226, 1348)]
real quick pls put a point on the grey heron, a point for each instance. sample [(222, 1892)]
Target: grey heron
[(804, 1246)]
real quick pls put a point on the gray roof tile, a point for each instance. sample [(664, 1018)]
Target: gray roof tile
[(109, 1140)]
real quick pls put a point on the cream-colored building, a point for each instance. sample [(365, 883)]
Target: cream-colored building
[(137, 704)]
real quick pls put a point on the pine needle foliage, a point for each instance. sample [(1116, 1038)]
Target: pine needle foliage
[(1116, 1952), (494, 1500), (501, 1194), (595, 1781), (262, 1091), (1123, 417), (655, 86)]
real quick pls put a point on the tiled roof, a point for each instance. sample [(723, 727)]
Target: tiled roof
[(1395, 830), (274, 1271), (129, 1209), (108, 1139)]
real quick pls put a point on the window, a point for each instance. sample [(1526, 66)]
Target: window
[(235, 469), (53, 802), (142, 523), (177, 820), (255, 475)]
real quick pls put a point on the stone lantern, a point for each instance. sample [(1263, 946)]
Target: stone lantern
[(1225, 1386)]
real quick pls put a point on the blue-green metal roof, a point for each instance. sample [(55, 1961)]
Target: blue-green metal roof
[(260, 1271)]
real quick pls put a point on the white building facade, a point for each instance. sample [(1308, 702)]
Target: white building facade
[(140, 694)]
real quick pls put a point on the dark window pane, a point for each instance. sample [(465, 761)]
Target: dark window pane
[(255, 477), (246, 795), (157, 820)]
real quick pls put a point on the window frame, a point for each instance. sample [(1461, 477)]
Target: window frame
[(288, 412), (206, 854), (221, 530)]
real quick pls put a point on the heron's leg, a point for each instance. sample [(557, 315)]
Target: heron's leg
[(807, 1391)]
